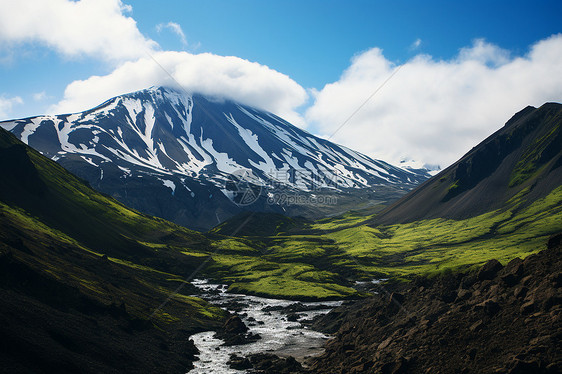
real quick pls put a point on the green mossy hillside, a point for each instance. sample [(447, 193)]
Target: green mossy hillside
[(346, 249), (61, 230)]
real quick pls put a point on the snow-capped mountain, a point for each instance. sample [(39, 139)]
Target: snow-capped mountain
[(184, 157), (417, 166)]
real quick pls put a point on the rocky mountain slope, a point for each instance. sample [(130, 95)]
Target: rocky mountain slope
[(498, 319), (521, 159), (197, 161)]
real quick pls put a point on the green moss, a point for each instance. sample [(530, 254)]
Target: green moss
[(23, 219), (453, 187), (518, 198), (233, 245), (278, 279), (344, 221), (297, 249), (530, 162), (404, 250), (201, 309), (293, 289), (166, 317), (541, 217)]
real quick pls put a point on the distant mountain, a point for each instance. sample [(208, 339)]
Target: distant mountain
[(198, 161), (522, 159)]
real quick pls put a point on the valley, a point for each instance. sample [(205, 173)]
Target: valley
[(280, 187), (86, 262), (349, 247)]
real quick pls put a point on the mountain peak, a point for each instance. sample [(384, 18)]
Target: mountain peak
[(191, 145), (523, 112)]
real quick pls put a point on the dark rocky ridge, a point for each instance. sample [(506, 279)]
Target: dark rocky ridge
[(524, 156), (496, 320)]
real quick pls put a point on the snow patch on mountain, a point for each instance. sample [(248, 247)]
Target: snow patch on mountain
[(171, 185)]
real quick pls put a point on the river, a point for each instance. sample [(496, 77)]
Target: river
[(278, 335)]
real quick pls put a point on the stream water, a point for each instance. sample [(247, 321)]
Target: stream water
[(278, 335)]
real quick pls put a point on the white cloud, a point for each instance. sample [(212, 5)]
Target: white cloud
[(416, 44), (485, 53), (434, 111), (40, 96), (175, 28), (6, 105), (95, 28), (222, 77)]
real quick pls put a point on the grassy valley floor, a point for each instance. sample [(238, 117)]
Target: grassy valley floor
[(324, 259)]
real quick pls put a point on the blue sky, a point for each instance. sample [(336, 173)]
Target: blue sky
[(312, 41), (313, 57)]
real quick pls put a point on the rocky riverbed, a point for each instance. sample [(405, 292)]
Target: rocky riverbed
[(264, 333)]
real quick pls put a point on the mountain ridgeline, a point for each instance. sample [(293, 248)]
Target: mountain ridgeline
[(174, 155), (522, 159)]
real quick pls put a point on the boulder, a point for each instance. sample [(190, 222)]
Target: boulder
[(272, 364), (520, 292), (463, 294), (234, 325), (489, 270), (239, 363), (396, 298), (528, 307), (513, 272), (556, 279), (476, 326), (551, 298), (489, 306), (293, 317)]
